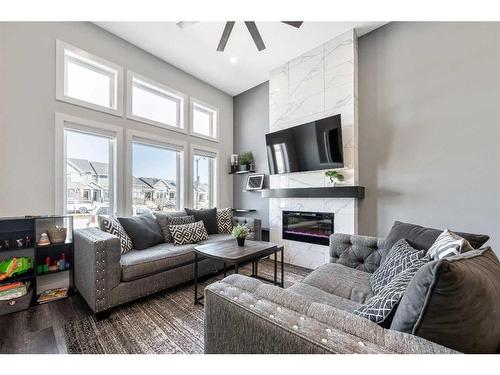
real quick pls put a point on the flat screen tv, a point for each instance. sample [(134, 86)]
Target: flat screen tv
[(309, 147)]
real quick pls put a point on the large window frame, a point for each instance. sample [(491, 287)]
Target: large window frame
[(149, 139), (213, 179), (76, 55), (214, 119), (162, 91), (65, 122)]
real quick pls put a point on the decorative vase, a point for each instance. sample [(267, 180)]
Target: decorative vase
[(243, 167), (241, 241)]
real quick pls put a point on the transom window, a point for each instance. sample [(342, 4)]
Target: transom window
[(88, 80), (155, 104), (204, 120)]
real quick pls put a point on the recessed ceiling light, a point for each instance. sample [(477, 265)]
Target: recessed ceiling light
[(233, 60)]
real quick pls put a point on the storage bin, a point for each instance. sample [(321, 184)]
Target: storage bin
[(16, 304)]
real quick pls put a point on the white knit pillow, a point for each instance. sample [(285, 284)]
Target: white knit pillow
[(448, 244)]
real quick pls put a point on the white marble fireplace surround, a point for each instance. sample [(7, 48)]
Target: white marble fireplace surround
[(317, 84)]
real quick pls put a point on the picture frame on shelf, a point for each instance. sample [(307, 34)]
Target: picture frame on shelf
[(255, 182)]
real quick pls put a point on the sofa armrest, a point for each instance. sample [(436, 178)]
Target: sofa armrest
[(244, 315), (97, 266), (359, 252), (254, 224)]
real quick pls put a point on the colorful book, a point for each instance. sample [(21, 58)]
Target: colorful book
[(52, 295), (17, 290)]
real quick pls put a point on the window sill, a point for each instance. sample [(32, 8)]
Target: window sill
[(95, 107), (156, 124), (203, 136)]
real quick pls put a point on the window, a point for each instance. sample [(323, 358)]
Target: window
[(204, 120), (89, 175), (156, 176), (154, 104), (204, 176), (88, 80)]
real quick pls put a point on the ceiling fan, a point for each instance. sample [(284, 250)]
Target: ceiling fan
[(252, 29)]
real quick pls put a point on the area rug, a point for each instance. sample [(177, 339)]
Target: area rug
[(164, 323)]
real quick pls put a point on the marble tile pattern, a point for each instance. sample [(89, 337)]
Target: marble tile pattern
[(317, 84)]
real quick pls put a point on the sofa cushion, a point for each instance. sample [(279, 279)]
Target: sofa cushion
[(455, 302), (209, 218), (188, 233), (144, 230), (380, 307), (137, 264), (341, 281), (448, 244), (401, 257), (111, 225), (320, 296), (422, 238), (164, 219)]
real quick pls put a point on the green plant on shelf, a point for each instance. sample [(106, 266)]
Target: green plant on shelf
[(246, 158), (334, 176)]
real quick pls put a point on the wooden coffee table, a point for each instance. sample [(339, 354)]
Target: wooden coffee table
[(233, 255)]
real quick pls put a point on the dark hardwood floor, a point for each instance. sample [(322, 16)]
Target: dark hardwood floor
[(39, 330)]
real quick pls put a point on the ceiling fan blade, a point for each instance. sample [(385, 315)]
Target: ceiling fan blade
[(295, 24), (254, 32), (185, 24), (225, 35)]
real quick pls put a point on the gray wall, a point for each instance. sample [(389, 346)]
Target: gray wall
[(429, 110), (251, 123), (27, 107)]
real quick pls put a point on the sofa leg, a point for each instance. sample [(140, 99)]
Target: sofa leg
[(102, 315)]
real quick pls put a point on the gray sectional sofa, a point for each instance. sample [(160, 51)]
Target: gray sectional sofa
[(106, 278), (449, 306)]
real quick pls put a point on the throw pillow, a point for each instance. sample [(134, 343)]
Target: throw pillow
[(163, 219), (455, 302), (225, 220), (112, 226), (166, 220), (209, 218), (401, 257), (448, 244), (144, 230), (422, 238), (379, 307), (188, 233)]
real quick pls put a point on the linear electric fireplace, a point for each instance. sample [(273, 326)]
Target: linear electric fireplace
[(312, 227)]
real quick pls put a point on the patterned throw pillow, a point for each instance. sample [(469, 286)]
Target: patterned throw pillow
[(225, 220), (188, 233), (400, 257), (380, 306), (448, 244), (165, 220), (111, 225)]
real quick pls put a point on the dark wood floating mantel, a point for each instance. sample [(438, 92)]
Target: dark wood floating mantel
[(317, 192)]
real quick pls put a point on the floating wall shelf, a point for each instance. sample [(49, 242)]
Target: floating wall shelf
[(317, 192)]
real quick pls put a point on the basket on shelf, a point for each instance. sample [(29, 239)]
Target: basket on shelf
[(57, 234)]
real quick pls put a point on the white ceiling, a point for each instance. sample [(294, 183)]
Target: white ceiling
[(193, 49)]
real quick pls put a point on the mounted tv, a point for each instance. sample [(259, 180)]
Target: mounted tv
[(309, 147)]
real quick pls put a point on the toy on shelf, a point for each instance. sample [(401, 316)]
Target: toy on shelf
[(51, 265), (44, 240), (15, 266)]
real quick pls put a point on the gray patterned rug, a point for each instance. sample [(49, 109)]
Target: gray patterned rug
[(164, 323)]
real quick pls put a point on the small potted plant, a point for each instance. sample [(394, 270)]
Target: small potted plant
[(240, 232), (245, 161), (334, 176)]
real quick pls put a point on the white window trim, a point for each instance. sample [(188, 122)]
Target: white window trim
[(62, 122), (154, 140), (169, 91), (211, 152), (60, 79), (192, 102)]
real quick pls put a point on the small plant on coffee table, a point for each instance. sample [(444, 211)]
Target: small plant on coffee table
[(334, 176), (240, 232)]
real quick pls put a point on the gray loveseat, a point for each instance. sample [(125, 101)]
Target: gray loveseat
[(315, 315), (106, 278)]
